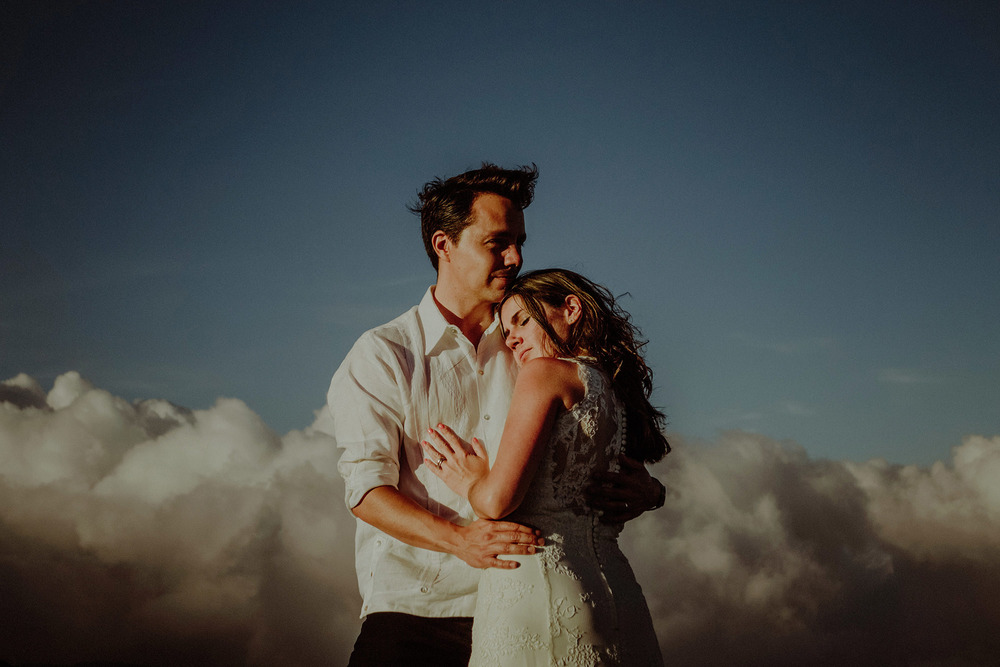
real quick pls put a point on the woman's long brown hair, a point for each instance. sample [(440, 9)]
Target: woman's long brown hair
[(605, 332)]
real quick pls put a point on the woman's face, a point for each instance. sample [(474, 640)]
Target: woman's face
[(525, 337)]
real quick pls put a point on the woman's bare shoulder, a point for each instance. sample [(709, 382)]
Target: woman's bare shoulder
[(558, 377)]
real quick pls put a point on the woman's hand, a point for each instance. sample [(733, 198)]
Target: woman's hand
[(458, 463)]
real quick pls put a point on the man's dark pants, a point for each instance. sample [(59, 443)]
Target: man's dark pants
[(391, 638)]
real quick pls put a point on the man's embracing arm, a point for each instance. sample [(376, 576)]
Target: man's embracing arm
[(624, 495), (478, 544), (364, 402)]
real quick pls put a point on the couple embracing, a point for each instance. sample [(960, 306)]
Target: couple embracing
[(492, 439)]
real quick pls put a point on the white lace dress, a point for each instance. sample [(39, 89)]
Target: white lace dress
[(576, 603)]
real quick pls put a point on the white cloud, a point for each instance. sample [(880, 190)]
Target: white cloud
[(796, 409), (940, 513), (905, 376), (23, 391), (203, 533), (763, 556), (147, 533)]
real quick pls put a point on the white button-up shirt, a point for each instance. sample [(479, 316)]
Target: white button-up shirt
[(399, 379)]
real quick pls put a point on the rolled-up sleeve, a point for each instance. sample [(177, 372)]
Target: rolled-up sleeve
[(397, 380), (367, 410)]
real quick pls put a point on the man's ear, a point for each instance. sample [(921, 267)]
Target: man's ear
[(442, 245), (572, 309)]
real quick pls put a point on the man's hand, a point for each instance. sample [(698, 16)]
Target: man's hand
[(482, 541), (624, 495), (478, 543)]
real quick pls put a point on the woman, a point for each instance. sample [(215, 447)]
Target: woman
[(577, 601)]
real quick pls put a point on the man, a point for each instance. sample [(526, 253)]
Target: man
[(418, 544)]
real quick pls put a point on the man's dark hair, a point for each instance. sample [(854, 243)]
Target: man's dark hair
[(446, 205)]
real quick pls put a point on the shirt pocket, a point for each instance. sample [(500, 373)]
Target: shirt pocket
[(446, 400)]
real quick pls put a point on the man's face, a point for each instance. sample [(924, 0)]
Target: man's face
[(487, 255)]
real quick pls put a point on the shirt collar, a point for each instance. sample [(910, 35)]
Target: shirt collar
[(435, 326)]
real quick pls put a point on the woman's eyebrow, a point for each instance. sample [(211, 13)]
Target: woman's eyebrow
[(513, 320)]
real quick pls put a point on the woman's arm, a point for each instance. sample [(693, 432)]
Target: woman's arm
[(545, 387)]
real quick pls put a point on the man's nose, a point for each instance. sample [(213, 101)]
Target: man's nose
[(513, 256)]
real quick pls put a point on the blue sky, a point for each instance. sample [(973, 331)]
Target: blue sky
[(204, 200)]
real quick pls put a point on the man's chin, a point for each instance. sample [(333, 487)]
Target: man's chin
[(499, 286)]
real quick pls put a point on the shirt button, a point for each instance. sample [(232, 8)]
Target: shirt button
[(424, 589), (480, 371), (486, 417)]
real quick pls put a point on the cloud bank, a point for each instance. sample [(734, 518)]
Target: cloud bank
[(150, 534), (762, 556)]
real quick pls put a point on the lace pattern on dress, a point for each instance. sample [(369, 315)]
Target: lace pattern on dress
[(574, 451)]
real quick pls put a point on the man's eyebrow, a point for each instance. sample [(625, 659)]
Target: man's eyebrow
[(509, 235)]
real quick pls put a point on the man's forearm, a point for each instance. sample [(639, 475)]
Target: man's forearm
[(478, 544), (400, 517)]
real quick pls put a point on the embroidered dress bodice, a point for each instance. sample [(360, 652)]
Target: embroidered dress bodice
[(576, 603)]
